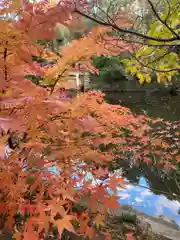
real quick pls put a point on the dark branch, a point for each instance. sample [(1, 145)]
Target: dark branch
[(5, 64), (127, 31)]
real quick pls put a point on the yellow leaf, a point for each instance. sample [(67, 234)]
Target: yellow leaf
[(141, 78), (158, 78), (133, 70), (169, 77), (148, 78)]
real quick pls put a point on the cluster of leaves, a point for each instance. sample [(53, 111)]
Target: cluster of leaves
[(167, 139), (53, 129), (155, 56), (56, 135)]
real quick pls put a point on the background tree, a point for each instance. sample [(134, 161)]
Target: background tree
[(152, 49)]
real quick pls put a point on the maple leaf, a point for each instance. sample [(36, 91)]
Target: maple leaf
[(147, 160), (177, 158), (11, 216), (27, 208), (7, 123), (17, 236), (115, 181), (89, 232), (111, 203), (100, 172), (29, 235), (3, 147), (57, 122), (3, 208), (65, 223), (99, 220)]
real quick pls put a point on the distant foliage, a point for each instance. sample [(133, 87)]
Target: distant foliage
[(110, 69)]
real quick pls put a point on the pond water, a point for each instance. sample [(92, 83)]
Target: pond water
[(140, 197), (144, 200), (164, 196), (156, 105)]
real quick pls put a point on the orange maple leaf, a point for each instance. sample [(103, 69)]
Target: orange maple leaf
[(111, 203), (177, 158), (89, 232), (115, 182), (65, 223), (99, 220), (29, 235), (101, 172), (84, 220)]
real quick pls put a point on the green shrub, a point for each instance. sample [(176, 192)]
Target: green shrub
[(111, 70)]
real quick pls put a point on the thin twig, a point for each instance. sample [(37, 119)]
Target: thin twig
[(162, 21)]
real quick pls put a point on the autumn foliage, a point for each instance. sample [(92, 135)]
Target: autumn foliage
[(53, 129)]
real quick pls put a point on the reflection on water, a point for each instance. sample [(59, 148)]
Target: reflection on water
[(144, 200), (161, 181)]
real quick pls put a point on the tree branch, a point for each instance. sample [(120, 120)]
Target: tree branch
[(57, 80), (126, 31), (5, 63), (152, 68)]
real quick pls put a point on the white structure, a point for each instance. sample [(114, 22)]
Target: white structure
[(81, 78)]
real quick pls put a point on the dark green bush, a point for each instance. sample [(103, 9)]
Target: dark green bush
[(111, 69)]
